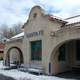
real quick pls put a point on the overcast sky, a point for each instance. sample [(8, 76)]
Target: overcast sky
[(14, 11)]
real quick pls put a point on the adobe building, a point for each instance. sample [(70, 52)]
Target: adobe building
[(48, 41), (2, 46)]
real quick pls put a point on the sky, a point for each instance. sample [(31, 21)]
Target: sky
[(17, 11)]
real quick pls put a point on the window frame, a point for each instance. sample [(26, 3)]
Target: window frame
[(36, 58)]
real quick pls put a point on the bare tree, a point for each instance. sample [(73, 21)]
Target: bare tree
[(4, 29), (17, 28), (8, 32)]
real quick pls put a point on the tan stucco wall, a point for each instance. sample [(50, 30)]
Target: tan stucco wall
[(49, 44), (41, 22)]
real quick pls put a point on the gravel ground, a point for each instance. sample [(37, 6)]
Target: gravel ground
[(2, 77)]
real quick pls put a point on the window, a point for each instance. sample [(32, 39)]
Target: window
[(1, 51), (36, 50), (62, 53), (78, 50), (34, 15)]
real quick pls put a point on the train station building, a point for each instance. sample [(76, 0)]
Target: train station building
[(48, 41)]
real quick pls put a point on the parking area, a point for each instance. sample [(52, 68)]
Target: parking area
[(73, 75), (2, 77)]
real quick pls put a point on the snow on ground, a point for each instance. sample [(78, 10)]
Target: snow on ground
[(18, 75)]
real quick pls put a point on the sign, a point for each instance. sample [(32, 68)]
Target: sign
[(28, 35)]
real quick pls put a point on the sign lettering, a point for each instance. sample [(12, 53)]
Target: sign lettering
[(34, 34)]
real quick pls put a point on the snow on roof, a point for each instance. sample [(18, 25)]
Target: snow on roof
[(18, 35), (73, 19), (52, 18)]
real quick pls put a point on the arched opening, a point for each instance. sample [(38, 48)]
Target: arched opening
[(14, 55), (65, 57)]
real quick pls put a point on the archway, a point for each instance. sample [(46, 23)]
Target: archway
[(65, 56), (61, 37), (14, 55)]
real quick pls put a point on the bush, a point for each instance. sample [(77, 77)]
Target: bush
[(1, 58)]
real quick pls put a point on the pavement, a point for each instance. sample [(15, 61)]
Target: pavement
[(73, 75), (2, 77)]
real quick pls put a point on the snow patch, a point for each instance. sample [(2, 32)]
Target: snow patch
[(18, 75)]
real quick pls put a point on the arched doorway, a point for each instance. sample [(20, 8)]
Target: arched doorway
[(65, 56), (14, 55)]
